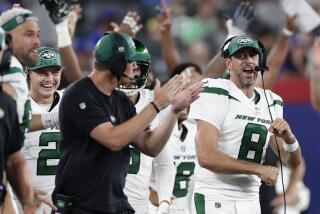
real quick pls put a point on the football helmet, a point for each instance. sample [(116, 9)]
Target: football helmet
[(137, 82)]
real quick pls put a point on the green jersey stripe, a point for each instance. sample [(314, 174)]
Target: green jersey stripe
[(277, 102), (219, 91), (12, 70)]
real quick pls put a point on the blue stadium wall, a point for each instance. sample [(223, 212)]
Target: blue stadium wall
[(305, 123)]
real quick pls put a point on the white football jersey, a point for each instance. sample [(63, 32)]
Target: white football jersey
[(41, 150), (243, 134), (137, 180), (140, 167), (182, 142), (17, 79)]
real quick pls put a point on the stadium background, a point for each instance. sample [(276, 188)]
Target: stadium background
[(199, 43)]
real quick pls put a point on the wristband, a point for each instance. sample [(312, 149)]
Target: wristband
[(291, 147), (233, 30), (30, 202), (63, 35), (164, 201), (287, 32), (155, 107), (50, 120)]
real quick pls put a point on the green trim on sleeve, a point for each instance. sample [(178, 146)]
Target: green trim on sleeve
[(12, 70), (277, 102), (219, 91)]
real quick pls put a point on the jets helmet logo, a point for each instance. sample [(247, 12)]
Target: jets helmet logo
[(245, 40), (47, 54)]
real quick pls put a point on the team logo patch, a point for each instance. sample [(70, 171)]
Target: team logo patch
[(47, 55), (1, 113), (245, 41), (121, 49), (82, 105), (19, 19)]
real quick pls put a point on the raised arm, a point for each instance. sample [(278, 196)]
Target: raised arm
[(169, 51), (277, 55), (236, 25), (65, 31)]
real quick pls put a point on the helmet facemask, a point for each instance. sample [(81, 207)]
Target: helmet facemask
[(137, 82)]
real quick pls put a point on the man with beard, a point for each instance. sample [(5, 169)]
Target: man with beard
[(233, 128)]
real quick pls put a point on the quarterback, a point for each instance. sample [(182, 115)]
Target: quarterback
[(234, 128)]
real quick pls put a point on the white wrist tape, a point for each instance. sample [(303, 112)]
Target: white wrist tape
[(163, 208), (50, 120), (63, 35), (287, 32), (232, 30), (291, 147)]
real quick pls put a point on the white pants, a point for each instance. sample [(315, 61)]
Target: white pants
[(139, 206), (203, 205)]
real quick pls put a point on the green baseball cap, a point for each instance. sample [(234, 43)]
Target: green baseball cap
[(106, 47), (243, 41), (47, 57)]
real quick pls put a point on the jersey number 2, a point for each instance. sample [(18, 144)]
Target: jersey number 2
[(46, 154), (252, 143)]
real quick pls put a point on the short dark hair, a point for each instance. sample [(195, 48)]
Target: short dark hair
[(100, 65)]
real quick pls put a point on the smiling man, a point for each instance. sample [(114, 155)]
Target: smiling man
[(41, 147), (234, 128)]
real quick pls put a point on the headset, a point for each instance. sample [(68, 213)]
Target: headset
[(118, 63), (262, 68), (262, 56)]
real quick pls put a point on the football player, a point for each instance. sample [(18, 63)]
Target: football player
[(138, 178), (182, 143), (41, 147), (234, 127)]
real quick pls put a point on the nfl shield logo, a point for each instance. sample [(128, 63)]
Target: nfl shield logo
[(217, 205)]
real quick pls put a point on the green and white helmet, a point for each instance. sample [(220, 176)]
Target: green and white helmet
[(143, 60)]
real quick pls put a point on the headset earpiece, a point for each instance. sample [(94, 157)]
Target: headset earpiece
[(262, 58), (118, 63)]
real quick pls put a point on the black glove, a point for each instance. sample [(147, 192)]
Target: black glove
[(58, 9), (243, 15)]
